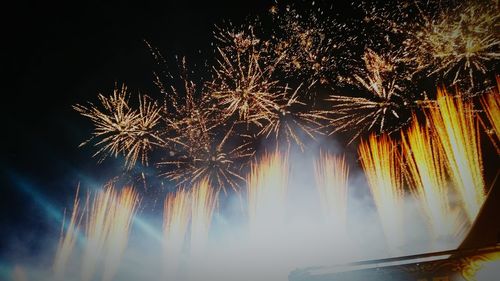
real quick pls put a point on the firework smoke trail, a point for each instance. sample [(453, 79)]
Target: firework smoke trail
[(266, 193), (426, 170), (381, 163), (121, 129), (107, 230), (384, 83), (176, 219), (203, 203), (120, 219), (332, 175), (454, 122), (67, 241), (491, 106)]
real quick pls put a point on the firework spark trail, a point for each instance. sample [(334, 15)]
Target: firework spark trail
[(381, 163), (266, 193), (176, 217), (203, 203), (120, 218), (204, 146), (217, 160), (107, 230), (332, 175), (121, 129), (385, 85), (454, 122), (67, 241), (289, 122), (491, 106), (243, 85), (301, 42), (426, 170), (460, 41)]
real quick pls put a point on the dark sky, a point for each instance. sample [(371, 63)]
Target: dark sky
[(57, 55)]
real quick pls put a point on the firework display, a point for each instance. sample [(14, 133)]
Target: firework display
[(404, 150)]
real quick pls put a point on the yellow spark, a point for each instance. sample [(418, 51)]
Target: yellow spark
[(491, 106), (67, 241), (426, 167), (175, 221), (120, 219), (289, 122), (381, 163), (107, 230), (332, 175), (243, 86), (462, 40), (266, 191), (121, 129), (203, 202), (384, 83), (454, 122)]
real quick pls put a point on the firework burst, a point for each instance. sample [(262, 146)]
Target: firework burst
[(243, 86), (459, 43), (218, 160), (121, 130), (385, 106), (289, 121), (303, 45)]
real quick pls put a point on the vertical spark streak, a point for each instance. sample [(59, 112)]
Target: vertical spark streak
[(381, 164), (454, 122), (491, 106), (266, 187), (426, 170), (120, 219), (97, 227), (203, 202), (176, 218), (332, 175), (67, 242), (107, 230)]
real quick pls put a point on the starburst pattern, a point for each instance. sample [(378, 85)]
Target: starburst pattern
[(386, 99), (122, 130)]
